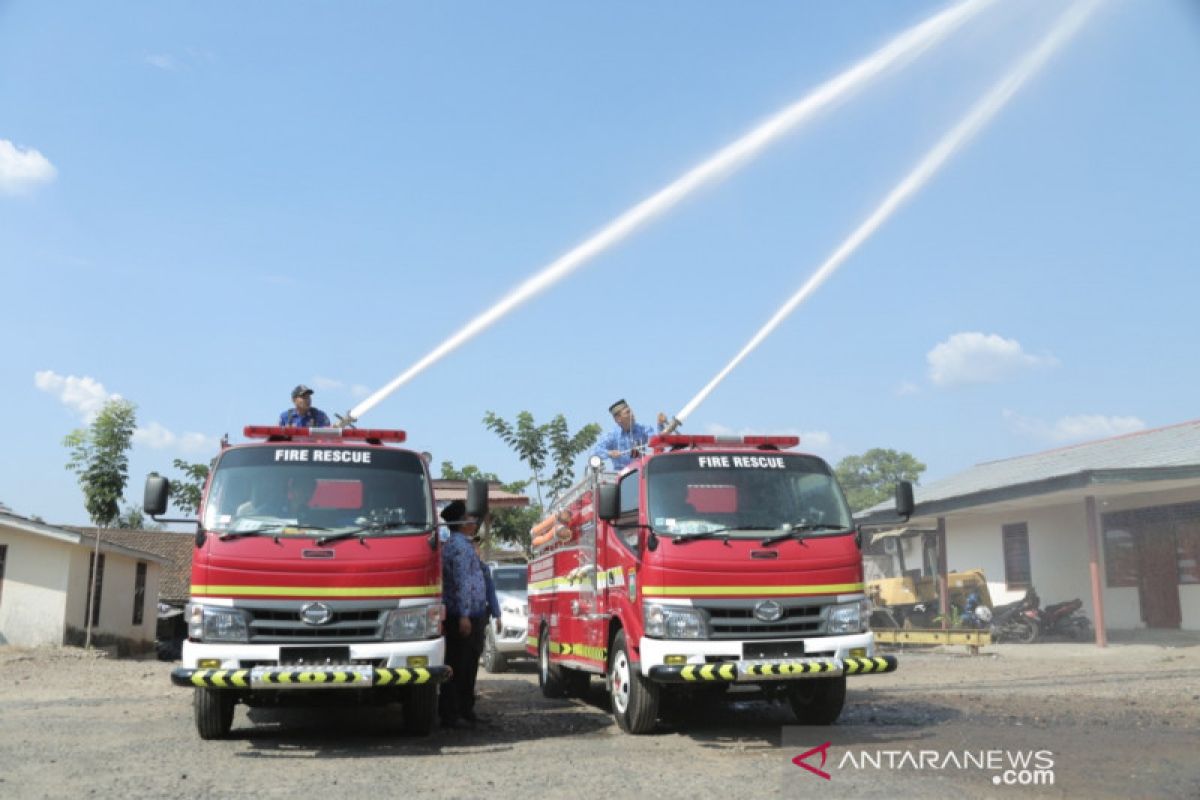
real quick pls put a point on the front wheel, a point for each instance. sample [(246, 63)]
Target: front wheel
[(1025, 631), (213, 712), (634, 699), (818, 701), (493, 660), (549, 676)]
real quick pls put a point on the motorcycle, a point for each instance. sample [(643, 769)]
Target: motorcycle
[(1019, 621), (1066, 619)]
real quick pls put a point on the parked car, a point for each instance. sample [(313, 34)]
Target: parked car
[(512, 591)]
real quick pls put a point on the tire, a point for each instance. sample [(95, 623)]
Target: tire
[(549, 676), (493, 660), (818, 701), (1082, 631), (419, 708), (213, 712), (1024, 631), (635, 700)]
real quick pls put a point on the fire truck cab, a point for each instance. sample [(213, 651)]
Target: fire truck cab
[(714, 562), (316, 576)]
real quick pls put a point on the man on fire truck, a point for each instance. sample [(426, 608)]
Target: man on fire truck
[(622, 445)]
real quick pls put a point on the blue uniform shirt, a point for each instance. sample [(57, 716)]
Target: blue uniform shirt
[(464, 589), (315, 418), (625, 441)]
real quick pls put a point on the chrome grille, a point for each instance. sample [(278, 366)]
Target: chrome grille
[(734, 619), (280, 623)]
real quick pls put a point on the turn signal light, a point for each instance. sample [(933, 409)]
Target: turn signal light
[(209, 663), (675, 660), (417, 661)]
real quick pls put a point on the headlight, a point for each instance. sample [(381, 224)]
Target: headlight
[(514, 608), (849, 617), (217, 624), (418, 622), (673, 622)]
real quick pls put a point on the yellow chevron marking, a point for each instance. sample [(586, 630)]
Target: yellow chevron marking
[(198, 678), (423, 675), (239, 677), (727, 671), (881, 663), (317, 591), (688, 673), (565, 648), (706, 672), (383, 677), (752, 591)]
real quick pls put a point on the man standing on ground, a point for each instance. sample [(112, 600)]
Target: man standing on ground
[(623, 444), (464, 593), (303, 414)]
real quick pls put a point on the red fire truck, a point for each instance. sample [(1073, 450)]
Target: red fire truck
[(708, 564), (316, 576)]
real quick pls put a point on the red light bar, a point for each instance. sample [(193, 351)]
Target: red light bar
[(682, 440), (376, 434)]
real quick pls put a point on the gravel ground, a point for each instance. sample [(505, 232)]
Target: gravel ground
[(1121, 722)]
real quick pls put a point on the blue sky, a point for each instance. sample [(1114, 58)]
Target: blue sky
[(202, 205)]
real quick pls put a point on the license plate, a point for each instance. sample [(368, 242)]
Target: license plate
[(759, 650), (314, 656)]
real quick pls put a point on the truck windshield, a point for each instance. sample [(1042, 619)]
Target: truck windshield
[(748, 495), (302, 489)]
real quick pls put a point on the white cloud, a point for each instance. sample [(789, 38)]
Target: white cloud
[(356, 390), (22, 168), (327, 383), (85, 396), (158, 437), (1074, 428), (162, 61), (971, 357)]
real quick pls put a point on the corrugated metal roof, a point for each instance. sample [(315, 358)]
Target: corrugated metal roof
[(1174, 446)]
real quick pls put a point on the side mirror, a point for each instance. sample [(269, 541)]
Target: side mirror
[(158, 491), (477, 498), (904, 499), (608, 506)]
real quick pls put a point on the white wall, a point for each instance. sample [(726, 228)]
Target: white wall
[(1059, 559), (116, 595), (34, 595)]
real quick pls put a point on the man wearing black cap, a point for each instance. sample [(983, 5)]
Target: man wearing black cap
[(464, 592), (623, 444), (303, 414)]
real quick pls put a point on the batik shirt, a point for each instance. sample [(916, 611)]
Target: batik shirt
[(464, 590), (314, 418), (625, 441)]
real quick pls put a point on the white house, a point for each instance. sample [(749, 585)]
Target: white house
[(45, 578), (1115, 522)]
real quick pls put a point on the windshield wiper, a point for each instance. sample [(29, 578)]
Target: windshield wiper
[(273, 529), (377, 528), (801, 531), (684, 538)]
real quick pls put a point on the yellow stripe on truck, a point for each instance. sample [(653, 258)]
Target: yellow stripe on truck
[(750, 591), (317, 591)]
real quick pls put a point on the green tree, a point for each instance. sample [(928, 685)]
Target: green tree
[(871, 478), (537, 444), (133, 518), (186, 491), (99, 455), (507, 524)]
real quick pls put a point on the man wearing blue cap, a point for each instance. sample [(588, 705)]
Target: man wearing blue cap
[(303, 414)]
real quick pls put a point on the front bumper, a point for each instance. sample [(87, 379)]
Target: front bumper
[(349, 676), (725, 660), (772, 670), (513, 632), (248, 667)]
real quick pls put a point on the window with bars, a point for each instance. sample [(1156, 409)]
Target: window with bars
[(139, 593), (1017, 573)]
